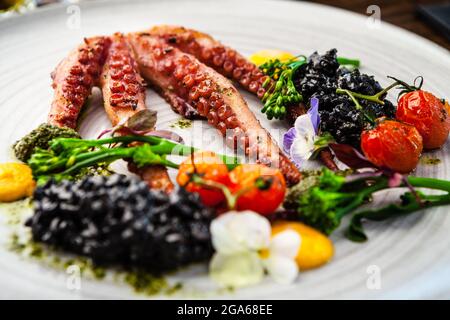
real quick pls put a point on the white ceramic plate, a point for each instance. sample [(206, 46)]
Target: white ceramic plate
[(412, 253)]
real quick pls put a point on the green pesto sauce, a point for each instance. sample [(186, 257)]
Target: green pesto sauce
[(143, 283), (430, 161), (148, 284), (315, 173), (21, 243), (13, 212), (40, 138), (182, 124)]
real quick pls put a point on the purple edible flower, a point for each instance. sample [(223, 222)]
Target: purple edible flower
[(314, 114), (288, 139), (298, 141)]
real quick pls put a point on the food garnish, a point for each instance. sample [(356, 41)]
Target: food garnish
[(40, 138), (315, 250), (322, 201), (117, 220), (16, 181), (182, 124), (245, 249), (304, 141)]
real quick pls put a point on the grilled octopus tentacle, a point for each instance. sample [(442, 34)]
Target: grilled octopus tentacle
[(124, 95), (180, 76), (231, 64), (211, 52), (122, 87), (74, 78)]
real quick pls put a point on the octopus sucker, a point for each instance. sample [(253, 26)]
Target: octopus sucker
[(122, 86), (229, 63), (187, 68), (211, 52), (211, 94), (74, 78), (124, 96)]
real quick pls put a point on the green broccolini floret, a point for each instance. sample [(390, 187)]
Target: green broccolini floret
[(321, 204), (280, 89), (322, 201)]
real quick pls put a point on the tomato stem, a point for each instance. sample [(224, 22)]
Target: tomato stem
[(229, 197)]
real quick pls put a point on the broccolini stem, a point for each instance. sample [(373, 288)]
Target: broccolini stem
[(72, 143), (100, 156), (109, 155), (382, 183), (355, 231), (430, 183), (363, 195), (159, 146), (185, 150), (348, 62), (398, 209)]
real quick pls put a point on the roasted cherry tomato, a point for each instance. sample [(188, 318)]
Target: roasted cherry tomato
[(259, 188), (428, 114), (208, 167), (392, 144)]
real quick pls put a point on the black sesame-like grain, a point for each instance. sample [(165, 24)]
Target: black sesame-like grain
[(117, 220), (320, 78)]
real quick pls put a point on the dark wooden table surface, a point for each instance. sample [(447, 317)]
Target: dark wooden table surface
[(399, 12)]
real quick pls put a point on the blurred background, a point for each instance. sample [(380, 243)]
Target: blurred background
[(428, 18)]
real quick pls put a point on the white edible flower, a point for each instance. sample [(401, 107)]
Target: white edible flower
[(236, 270), (235, 232), (300, 140), (279, 259), (245, 250)]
